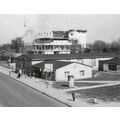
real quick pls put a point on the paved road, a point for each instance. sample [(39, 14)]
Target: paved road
[(16, 94)]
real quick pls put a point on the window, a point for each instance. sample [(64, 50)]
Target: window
[(66, 74), (37, 46), (82, 73), (112, 67), (40, 48)]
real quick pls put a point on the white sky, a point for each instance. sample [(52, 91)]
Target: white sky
[(100, 27)]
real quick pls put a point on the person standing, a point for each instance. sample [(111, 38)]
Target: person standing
[(18, 74), (73, 96), (20, 71)]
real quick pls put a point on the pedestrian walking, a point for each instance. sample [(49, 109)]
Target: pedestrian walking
[(18, 75), (73, 96)]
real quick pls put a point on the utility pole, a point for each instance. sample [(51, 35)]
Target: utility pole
[(25, 25)]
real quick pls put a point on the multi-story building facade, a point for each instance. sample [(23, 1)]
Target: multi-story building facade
[(58, 42), (51, 46)]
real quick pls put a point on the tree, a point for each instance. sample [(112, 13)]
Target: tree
[(115, 46), (100, 46), (17, 44)]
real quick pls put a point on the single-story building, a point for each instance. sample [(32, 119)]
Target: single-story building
[(91, 59), (24, 63), (110, 65), (60, 70)]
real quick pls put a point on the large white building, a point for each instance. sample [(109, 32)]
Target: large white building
[(58, 42)]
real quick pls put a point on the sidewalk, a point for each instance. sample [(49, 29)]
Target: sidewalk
[(59, 95)]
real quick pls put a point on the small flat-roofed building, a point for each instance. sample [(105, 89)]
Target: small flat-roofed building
[(110, 65), (60, 70)]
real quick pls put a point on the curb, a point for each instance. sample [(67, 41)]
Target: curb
[(38, 90)]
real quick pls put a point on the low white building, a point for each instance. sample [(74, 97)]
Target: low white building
[(110, 65), (60, 70), (77, 70), (90, 59), (94, 62)]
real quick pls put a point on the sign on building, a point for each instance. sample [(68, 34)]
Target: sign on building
[(48, 67)]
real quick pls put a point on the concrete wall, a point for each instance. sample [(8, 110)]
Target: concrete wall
[(73, 69)]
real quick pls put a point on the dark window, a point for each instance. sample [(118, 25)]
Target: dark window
[(113, 67), (82, 73)]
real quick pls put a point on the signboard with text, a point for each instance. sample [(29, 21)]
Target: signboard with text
[(48, 67)]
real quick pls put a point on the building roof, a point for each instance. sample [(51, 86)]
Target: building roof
[(38, 57), (78, 30), (56, 64), (115, 61), (22, 57)]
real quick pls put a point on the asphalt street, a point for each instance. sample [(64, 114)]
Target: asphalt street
[(16, 94)]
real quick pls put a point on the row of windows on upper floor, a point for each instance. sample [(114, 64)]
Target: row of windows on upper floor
[(47, 47)]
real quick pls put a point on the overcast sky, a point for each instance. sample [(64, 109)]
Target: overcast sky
[(99, 27)]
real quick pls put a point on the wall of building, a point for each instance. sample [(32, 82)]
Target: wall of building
[(36, 62), (79, 36), (111, 67), (65, 38), (48, 52), (62, 46), (74, 69), (91, 62), (97, 62)]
